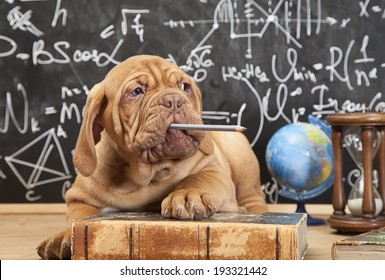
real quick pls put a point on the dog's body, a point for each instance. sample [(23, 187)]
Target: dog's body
[(129, 159)]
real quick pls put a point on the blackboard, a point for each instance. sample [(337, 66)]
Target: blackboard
[(263, 64)]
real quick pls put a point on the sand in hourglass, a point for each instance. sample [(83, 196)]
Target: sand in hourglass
[(355, 206)]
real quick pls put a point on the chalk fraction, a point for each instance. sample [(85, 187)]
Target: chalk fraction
[(123, 235)]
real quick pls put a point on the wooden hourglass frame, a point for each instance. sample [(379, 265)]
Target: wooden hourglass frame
[(368, 123)]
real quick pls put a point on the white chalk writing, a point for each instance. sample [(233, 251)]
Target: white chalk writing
[(20, 20), (262, 64)]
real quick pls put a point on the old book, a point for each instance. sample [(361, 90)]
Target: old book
[(366, 246), (142, 236)]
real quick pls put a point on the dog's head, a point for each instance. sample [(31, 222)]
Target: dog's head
[(135, 105)]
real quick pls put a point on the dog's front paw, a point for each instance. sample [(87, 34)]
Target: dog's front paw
[(56, 247), (188, 204)]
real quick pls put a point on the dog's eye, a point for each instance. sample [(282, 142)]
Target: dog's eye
[(137, 91), (186, 87)]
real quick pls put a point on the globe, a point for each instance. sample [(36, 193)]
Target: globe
[(300, 157)]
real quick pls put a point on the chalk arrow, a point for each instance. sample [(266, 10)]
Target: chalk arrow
[(331, 20)]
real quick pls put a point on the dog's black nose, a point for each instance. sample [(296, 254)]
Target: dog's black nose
[(172, 101)]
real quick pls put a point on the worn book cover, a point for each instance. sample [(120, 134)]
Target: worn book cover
[(366, 246), (143, 236)]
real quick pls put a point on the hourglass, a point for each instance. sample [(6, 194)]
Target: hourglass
[(364, 134), (353, 144)]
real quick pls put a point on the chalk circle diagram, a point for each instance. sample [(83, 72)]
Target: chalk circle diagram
[(31, 164)]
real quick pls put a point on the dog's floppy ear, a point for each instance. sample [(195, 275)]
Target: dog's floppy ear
[(89, 135)]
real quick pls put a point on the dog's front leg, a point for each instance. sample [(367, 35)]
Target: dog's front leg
[(201, 195), (58, 246)]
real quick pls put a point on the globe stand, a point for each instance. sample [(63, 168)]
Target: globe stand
[(340, 220), (311, 221)]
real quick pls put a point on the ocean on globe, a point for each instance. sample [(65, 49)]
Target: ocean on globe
[(300, 157)]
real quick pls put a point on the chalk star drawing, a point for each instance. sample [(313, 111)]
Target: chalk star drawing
[(39, 169)]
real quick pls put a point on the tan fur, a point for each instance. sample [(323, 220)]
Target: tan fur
[(126, 161)]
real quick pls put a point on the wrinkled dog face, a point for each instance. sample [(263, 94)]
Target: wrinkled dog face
[(150, 94)]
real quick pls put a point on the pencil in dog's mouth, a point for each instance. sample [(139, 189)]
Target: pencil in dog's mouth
[(207, 127)]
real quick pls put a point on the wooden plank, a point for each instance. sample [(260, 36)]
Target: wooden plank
[(39, 208)]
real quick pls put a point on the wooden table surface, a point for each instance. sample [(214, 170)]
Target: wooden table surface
[(23, 227)]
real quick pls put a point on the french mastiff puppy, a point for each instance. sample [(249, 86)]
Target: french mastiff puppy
[(129, 159)]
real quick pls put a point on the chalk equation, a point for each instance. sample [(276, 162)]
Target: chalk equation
[(260, 64)]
